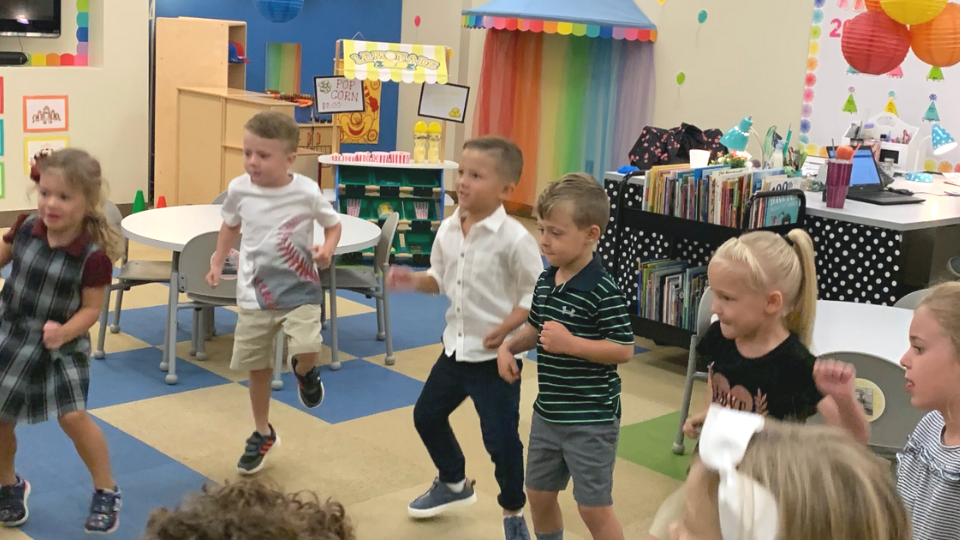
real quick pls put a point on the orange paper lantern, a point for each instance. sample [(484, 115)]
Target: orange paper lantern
[(938, 42), (873, 43), (913, 11), (874, 5)]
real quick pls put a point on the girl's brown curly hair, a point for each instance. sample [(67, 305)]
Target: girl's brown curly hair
[(250, 510)]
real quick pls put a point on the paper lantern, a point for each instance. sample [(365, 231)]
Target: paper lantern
[(873, 43), (912, 11), (874, 5), (938, 42), (279, 11)]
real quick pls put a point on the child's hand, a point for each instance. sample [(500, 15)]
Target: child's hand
[(507, 365), (834, 378), (401, 278), (555, 338), (321, 257), (495, 338), (692, 427), (53, 335), (216, 268)]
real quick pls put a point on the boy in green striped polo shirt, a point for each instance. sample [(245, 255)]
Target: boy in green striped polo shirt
[(579, 325)]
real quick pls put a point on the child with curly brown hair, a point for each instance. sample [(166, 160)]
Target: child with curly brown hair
[(251, 510)]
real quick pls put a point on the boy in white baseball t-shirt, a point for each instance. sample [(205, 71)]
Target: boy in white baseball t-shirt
[(278, 285)]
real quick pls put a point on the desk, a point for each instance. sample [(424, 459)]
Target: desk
[(865, 252), (172, 227)]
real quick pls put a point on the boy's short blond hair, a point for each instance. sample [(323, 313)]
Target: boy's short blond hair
[(583, 195), (508, 155), (276, 126)]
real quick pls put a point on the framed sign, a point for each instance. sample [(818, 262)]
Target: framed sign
[(338, 95), (34, 145), (1, 95), (3, 181), (444, 102), (45, 113), (1, 137)]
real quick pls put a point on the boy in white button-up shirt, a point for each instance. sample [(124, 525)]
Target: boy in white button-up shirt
[(487, 263)]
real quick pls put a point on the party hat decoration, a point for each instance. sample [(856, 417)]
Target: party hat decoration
[(851, 71), (138, 203), (943, 142), (891, 106), (936, 74), (897, 73), (851, 105), (932, 115)]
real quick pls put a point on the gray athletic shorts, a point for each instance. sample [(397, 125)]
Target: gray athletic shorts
[(586, 452)]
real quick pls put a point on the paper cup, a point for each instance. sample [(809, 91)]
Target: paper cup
[(699, 159), (838, 182)]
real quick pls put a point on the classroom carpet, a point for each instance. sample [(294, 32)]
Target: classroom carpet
[(359, 447)]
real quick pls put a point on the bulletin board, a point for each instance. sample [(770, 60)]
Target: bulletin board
[(835, 95)]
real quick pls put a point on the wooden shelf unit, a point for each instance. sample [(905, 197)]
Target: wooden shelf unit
[(190, 52)]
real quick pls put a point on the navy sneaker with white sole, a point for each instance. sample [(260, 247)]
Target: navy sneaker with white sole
[(104, 512), (310, 387), (13, 503), (439, 499)]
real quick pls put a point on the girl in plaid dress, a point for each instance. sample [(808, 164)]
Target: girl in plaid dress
[(62, 260)]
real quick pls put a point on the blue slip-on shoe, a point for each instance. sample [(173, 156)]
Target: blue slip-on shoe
[(439, 499)]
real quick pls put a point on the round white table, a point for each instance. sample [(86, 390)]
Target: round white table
[(172, 227), (881, 331)]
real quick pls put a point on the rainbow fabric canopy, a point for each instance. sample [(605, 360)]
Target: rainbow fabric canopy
[(617, 19)]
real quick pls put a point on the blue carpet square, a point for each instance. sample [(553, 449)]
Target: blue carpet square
[(147, 324), (359, 389), (129, 376), (61, 485), (417, 320)]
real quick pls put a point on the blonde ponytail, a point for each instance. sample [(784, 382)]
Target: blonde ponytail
[(776, 263), (800, 319)]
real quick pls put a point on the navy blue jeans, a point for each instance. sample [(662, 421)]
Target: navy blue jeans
[(498, 406)]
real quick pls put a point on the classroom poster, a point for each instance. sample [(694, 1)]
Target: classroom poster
[(835, 95)]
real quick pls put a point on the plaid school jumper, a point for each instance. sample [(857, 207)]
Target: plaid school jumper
[(37, 384)]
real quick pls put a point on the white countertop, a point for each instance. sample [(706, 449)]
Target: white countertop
[(172, 227), (936, 210)]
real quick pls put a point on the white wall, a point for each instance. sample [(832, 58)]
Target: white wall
[(748, 59), (108, 101)]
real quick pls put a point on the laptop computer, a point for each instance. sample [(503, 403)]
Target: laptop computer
[(865, 185)]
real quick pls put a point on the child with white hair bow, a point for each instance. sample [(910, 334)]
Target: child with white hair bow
[(759, 479)]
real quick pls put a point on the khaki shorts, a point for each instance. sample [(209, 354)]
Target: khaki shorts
[(254, 347), (670, 512)]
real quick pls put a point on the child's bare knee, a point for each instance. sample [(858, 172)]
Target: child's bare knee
[(73, 421), (595, 515)]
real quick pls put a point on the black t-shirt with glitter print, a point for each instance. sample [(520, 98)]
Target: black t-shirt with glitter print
[(778, 384)]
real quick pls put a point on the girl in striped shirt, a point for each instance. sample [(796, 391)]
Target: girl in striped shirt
[(928, 470)]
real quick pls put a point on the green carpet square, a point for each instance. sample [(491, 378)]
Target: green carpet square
[(649, 444)]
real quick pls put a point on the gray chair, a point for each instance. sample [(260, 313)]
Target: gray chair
[(220, 198), (132, 273), (194, 266), (704, 314), (888, 431), (372, 282), (912, 300)]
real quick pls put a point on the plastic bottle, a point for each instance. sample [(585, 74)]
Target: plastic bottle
[(420, 142), (433, 151)]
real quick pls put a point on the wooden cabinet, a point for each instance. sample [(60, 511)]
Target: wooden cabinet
[(210, 139), (190, 52)]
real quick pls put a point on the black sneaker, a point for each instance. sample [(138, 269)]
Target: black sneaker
[(257, 447), (13, 503), (104, 512), (311, 387)]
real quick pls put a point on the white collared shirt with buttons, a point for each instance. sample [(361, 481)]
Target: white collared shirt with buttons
[(486, 276)]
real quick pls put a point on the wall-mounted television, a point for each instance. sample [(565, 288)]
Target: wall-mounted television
[(30, 18)]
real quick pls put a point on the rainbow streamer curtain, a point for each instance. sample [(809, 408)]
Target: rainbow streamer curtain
[(283, 67), (572, 104)]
